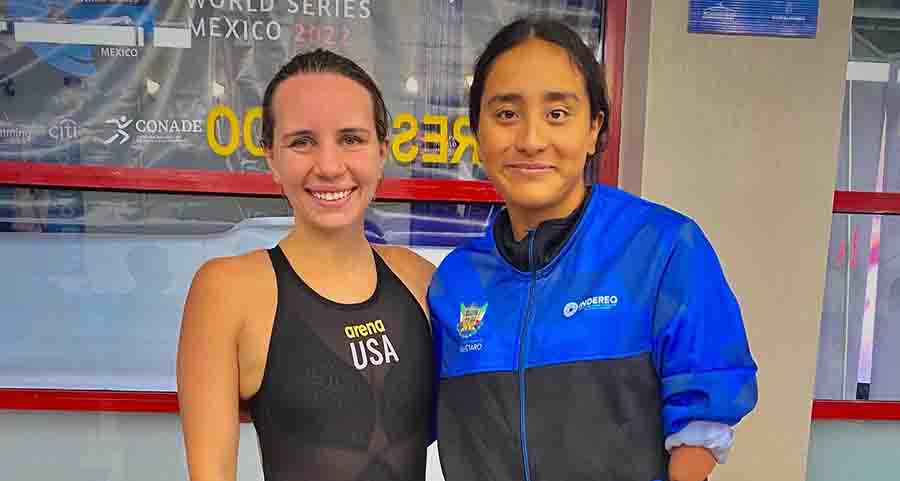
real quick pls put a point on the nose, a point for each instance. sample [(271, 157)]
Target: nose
[(330, 164), (531, 138)]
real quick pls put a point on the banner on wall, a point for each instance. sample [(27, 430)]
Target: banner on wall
[(178, 83)]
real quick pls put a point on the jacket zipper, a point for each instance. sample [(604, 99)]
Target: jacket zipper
[(523, 356)]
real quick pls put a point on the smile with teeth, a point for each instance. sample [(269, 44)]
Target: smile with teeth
[(332, 196)]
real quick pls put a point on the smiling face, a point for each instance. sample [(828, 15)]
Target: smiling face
[(535, 131), (325, 152)]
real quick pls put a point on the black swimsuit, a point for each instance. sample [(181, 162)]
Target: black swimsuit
[(347, 392)]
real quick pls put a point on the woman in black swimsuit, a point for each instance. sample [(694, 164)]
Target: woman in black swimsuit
[(325, 335)]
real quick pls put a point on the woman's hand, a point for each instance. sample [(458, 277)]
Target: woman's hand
[(691, 463)]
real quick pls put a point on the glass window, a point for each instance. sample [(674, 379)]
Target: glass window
[(859, 333), (100, 278), (869, 155)]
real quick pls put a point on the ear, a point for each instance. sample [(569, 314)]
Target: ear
[(270, 161), (478, 148), (383, 149), (382, 154), (596, 126)]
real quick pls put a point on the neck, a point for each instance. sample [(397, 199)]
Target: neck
[(336, 248), (524, 219)]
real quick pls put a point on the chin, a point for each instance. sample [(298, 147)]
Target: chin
[(329, 221), (335, 222), (537, 202), (532, 195)]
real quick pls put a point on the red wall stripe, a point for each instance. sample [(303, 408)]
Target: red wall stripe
[(167, 402), (856, 410), (852, 202), (71, 400)]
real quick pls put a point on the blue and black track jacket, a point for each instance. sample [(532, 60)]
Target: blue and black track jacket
[(579, 365)]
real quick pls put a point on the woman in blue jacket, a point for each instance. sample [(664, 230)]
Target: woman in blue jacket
[(589, 334)]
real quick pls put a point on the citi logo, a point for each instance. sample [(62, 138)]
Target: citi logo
[(590, 304), (65, 129)]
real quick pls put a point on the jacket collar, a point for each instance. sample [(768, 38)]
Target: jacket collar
[(549, 237)]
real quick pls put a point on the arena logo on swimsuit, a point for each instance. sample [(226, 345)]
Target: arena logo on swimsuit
[(370, 350)]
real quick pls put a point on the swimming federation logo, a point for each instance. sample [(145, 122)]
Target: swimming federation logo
[(122, 123), (470, 319), (590, 304)]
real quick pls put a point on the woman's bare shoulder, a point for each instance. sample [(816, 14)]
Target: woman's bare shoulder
[(413, 269), (228, 288), (235, 271)]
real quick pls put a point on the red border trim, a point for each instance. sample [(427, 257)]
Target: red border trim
[(46, 175), (856, 410), (167, 402), (94, 401), (851, 202), (614, 60), (109, 401)]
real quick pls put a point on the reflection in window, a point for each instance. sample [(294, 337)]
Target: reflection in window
[(859, 333), (436, 224), (872, 101), (99, 278)]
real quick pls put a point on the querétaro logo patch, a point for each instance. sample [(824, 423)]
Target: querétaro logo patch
[(471, 318)]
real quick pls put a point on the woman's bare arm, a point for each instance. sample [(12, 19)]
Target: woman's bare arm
[(208, 375)]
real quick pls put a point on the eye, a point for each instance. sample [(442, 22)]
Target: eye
[(558, 115), (352, 140), (505, 115), (302, 143)]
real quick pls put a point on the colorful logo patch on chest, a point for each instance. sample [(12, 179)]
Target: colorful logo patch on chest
[(471, 318)]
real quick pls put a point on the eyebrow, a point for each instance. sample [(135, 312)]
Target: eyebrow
[(549, 96), (355, 130), (295, 133), (555, 96)]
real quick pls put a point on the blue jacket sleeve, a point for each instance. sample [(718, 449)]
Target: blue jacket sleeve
[(700, 347)]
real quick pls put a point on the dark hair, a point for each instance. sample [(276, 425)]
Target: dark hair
[(322, 61), (555, 32)]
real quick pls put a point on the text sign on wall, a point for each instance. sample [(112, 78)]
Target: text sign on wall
[(771, 18)]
